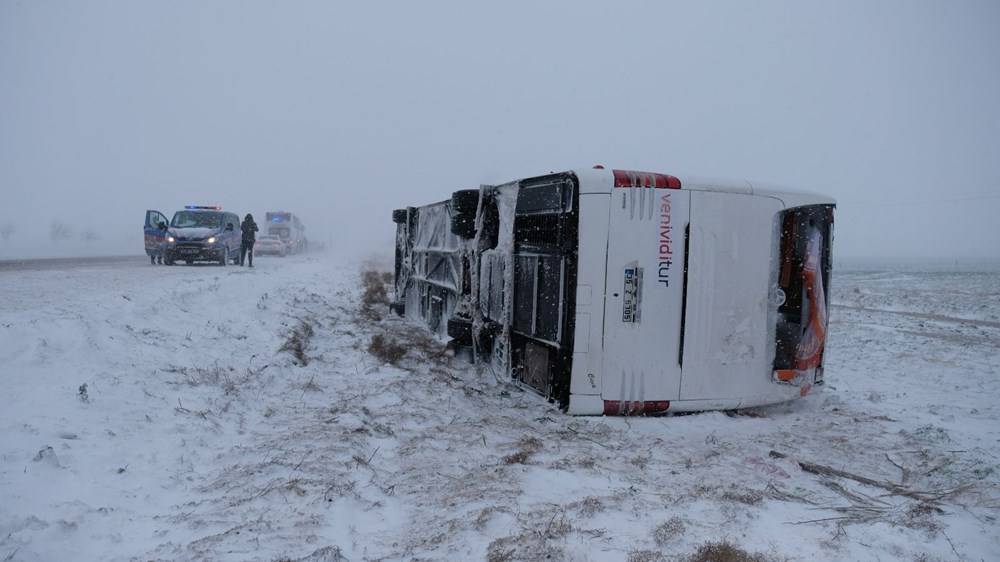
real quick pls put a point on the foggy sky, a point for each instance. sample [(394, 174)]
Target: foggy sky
[(343, 111)]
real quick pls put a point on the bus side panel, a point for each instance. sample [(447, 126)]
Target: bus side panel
[(726, 333), (592, 256), (644, 295)]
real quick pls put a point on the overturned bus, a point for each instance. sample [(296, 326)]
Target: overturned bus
[(622, 292)]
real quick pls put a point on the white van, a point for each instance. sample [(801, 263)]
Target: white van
[(621, 292)]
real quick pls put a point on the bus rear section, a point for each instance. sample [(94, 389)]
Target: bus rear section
[(619, 292), (289, 227)]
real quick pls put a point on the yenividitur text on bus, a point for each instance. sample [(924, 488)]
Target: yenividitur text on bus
[(627, 293)]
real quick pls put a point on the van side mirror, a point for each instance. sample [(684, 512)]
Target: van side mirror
[(229, 227)]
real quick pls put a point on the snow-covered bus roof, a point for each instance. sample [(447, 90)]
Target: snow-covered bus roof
[(597, 179)]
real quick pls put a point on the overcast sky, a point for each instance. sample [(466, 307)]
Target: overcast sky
[(341, 111)]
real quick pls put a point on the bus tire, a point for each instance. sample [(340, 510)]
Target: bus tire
[(464, 225), (465, 201)]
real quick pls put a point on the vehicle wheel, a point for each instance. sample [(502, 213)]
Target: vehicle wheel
[(465, 201), (464, 225)]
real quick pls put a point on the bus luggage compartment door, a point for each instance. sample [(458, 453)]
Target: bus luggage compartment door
[(644, 295)]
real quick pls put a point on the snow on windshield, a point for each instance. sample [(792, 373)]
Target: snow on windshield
[(196, 219)]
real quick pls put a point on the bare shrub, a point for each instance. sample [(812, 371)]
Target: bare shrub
[(644, 556), (725, 551), (58, 231), (227, 379), (526, 448), (668, 531), (520, 457), (375, 292), (311, 386), (375, 297), (386, 349), (528, 545), (641, 462), (484, 517), (748, 497), (326, 554), (591, 505), (498, 551), (297, 342)]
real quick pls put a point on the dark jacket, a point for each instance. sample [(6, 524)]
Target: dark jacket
[(248, 226)]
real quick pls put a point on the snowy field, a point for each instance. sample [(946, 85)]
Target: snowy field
[(226, 414)]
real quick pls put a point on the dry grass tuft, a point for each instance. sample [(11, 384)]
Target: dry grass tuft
[(725, 551), (667, 531), (644, 556), (386, 349), (528, 545), (520, 457), (591, 505), (527, 447), (748, 497), (376, 294), (231, 382), (297, 342)]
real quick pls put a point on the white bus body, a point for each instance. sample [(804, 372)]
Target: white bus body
[(289, 228), (620, 292)]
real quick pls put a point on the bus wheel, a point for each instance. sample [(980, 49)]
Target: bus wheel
[(465, 201), (463, 225)]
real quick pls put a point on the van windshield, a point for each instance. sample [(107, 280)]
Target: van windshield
[(196, 219)]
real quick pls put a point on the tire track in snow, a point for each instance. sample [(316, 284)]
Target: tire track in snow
[(923, 316)]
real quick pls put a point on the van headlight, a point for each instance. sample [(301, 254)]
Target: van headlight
[(211, 240), (170, 239)]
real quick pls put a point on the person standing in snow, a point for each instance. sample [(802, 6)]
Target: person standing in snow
[(249, 227)]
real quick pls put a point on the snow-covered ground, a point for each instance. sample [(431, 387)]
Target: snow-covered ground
[(149, 413)]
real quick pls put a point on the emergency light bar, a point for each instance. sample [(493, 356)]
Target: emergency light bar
[(208, 207)]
